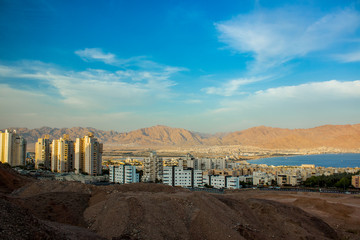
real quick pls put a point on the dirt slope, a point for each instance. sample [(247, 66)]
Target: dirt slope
[(156, 211)]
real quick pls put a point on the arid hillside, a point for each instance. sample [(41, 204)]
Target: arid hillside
[(70, 210), (337, 136)]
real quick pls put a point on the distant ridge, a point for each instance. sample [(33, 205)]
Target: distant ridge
[(337, 136)]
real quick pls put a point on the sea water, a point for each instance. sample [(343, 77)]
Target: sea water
[(342, 160)]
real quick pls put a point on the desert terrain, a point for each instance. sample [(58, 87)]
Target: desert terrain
[(338, 137), (34, 209)]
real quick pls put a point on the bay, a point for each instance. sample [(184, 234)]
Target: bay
[(342, 160)]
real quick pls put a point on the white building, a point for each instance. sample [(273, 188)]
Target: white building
[(88, 155), (43, 152), (123, 174), (206, 163), (219, 181), (153, 168), (62, 155), (12, 148), (177, 176)]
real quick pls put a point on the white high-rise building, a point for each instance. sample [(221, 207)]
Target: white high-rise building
[(54, 155), (62, 155), (43, 152), (123, 174), (12, 148), (88, 155), (153, 168)]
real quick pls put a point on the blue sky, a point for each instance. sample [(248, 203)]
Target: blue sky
[(206, 66)]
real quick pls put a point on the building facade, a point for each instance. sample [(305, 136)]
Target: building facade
[(12, 148), (43, 153), (218, 181), (62, 155), (153, 168), (178, 176), (123, 174), (88, 155), (355, 181)]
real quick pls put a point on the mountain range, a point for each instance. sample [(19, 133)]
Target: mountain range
[(337, 136)]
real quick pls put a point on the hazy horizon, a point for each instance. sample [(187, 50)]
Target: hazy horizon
[(175, 127), (202, 66)]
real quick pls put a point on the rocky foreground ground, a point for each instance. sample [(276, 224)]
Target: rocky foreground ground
[(32, 209)]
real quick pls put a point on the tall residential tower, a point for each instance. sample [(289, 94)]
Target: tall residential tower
[(88, 155), (12, 148), (43, 153), (62, 155)]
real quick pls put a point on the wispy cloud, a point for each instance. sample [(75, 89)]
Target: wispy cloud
[(304, 105), (277, 36), (348, 57), (231, 87), (94, 88), (96, 54)]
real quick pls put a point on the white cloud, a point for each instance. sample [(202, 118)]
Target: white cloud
[(96, 54), (304, 105), (96, 89), (277, 36), (348, 57), (31, 109), (231, 87)]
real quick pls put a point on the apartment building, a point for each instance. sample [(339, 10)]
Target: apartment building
[(262, 178), (43, 153), (12, 148), (123, 174), (206, 163), (178, 176), (218, 181), (62, 155), (287, 179), (88, 155), (153, 168), (355, 181)]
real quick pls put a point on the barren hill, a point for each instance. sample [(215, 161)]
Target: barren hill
[(70, 210), (338, 136)]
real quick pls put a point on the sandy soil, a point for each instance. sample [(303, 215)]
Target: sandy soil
[(68, 210)]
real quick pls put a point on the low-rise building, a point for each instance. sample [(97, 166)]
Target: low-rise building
[(286, 179), (178, 176), (355, 181), (123, 174), (218, 181), (262, 178)]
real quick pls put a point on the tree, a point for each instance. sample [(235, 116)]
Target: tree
[(343, 183)]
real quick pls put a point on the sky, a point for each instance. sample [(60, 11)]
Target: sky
[(207, 66)]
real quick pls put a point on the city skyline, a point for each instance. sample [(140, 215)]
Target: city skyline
[(203, 66)]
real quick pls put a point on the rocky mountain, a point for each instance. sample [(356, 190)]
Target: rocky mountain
[(338, 136)]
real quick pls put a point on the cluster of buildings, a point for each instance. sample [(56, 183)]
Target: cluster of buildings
[(193, 172), (84, 155), (12, 148), (189, 173)]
